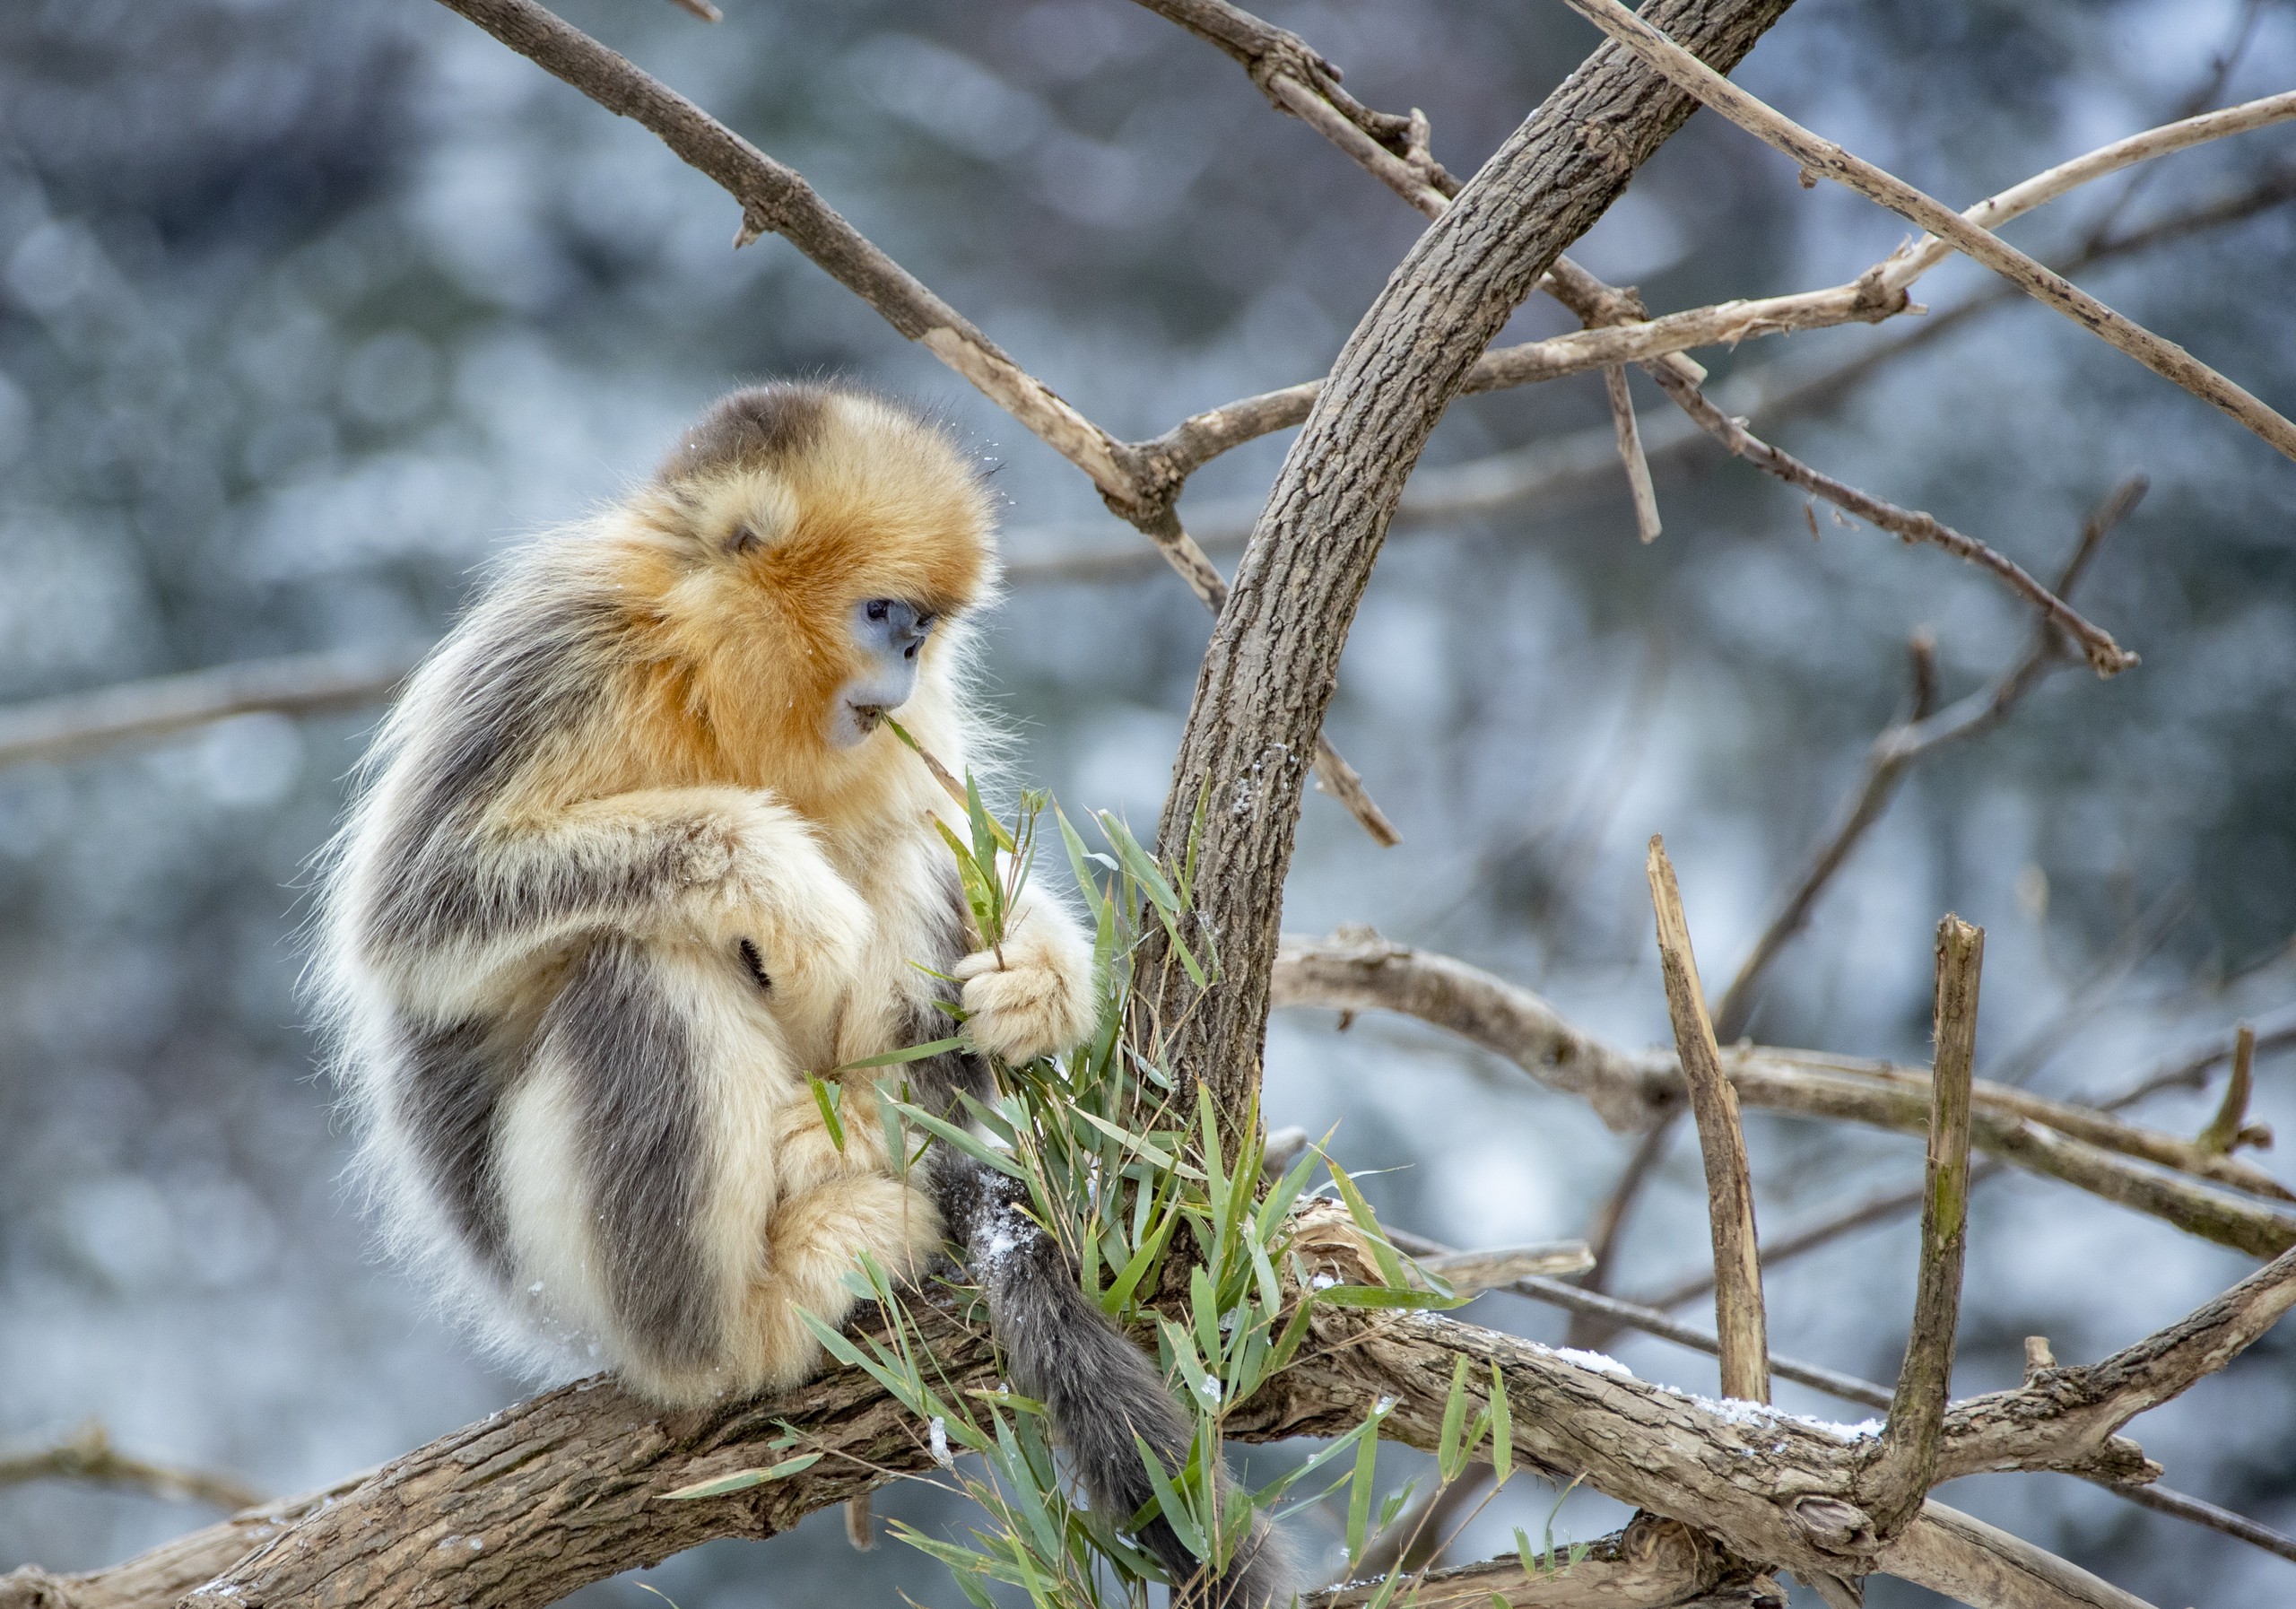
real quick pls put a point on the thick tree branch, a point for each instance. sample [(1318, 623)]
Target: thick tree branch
[(1268, 674)]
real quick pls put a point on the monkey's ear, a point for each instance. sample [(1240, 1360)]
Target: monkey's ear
[(744, 539)]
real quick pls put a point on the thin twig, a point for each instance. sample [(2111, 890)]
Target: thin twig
[(2164, 357), (1630, 451), (88, 1454), (700, 8), (1901, 746), (2223, 1130), (1608, 1225), (1874, 1209), (1906, 1466), (2192, 1072), (1738, 1316), (2106, 656)]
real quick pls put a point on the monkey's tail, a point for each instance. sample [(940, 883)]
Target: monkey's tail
[(1100, 1390)]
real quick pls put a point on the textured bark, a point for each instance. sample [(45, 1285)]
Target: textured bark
[(1741, 1325), (1268, 675), (1652, 1564), (569, 1487), (1906, 1468)]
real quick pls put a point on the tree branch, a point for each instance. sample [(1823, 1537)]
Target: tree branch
[(1268, 674), (2077, 1145), (1905, 1467), (1738, 1319), (2164, 357), (88, 1454), (1899, 748)]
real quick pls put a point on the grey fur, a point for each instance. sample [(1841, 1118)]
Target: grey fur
[(445, 1096), (513, 695), (758, 427), (626, 1051), (1099, 1389)]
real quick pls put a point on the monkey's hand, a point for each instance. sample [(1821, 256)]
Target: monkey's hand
[(1037, 1000), (757, 875)]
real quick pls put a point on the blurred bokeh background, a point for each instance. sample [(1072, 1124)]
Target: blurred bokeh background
[(307, 311)]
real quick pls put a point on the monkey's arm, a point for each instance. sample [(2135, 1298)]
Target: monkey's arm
[(713, 864), (1032, 995)]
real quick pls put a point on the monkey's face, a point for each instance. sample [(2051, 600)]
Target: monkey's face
[(832, 542), (888, 645)]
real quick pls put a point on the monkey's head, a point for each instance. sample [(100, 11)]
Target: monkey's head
[(824, 544)]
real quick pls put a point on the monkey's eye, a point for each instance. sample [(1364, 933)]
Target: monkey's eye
[(878, 608), (742, 541)]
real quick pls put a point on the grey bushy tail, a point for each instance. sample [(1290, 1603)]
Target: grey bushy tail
[(1100, 1390)]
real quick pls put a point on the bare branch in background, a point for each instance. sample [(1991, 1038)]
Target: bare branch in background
[(1646, 523), (2106, 656), (1905, 1467), (2223, 1130), (2164, 357), (88, 1454), (1738, 1316), (2208, 1195), (2192, 1072), (1902, 746), (75, 724), (1874, 1209)]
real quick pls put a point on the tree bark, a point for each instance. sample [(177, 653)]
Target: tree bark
[(1268, 675)]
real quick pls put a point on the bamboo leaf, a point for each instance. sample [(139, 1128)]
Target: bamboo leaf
[(1358, 1209), (1382, 1296), (970, 1143), (743, 1479), (1503, 1427), (829, 1098), (1448, 1457)]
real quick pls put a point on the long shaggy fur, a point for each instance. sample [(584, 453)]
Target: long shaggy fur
[(610, 891)]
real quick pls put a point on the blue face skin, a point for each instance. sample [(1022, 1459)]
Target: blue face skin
[(888, 635)]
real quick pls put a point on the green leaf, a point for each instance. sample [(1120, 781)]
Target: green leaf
[(1380, 1296), (970, 1143), (743, 1479), (1503, 1427), (1120, 1296), (829, 1098), (1140, 864), (1163, 1159), (1448, 1457), (1167, 1502), (1358, 1209), (1294, 1332), (1274, 1490), (1359, 1495), (894, 1058), (1200, 1385), (1204, 1305)]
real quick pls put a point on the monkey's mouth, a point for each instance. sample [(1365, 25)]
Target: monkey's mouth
[(868, 717)]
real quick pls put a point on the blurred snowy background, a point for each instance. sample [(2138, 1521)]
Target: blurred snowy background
[(306, 310)]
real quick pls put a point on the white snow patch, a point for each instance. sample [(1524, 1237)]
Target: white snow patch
[(938, 1436), (1600, 1362)]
